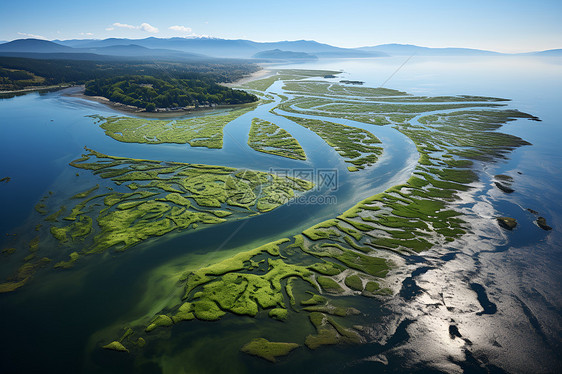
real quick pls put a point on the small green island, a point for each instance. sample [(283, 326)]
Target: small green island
[(205, 131), (269, 138), (356, 146)]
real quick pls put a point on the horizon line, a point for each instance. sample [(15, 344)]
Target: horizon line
[(280, 41)]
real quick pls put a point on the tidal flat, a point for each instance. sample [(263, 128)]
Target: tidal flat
[(304, 276), (269, 138), (205, 131), (290, 298), (147, 199)]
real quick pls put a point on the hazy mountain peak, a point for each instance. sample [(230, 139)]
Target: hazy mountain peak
[(33, 45)]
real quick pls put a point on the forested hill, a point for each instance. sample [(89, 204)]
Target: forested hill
[(148, 92), (18, 73)]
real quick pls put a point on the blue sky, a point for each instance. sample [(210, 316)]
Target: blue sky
[(501, 25)]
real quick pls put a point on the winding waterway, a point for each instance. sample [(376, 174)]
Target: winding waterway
[(500, 291)]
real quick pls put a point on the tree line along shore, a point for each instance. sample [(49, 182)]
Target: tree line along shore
[(149, 86)]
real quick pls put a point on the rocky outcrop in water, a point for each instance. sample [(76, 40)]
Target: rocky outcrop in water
[(507, 223), (541, 222), (503, 182), (504, 187)]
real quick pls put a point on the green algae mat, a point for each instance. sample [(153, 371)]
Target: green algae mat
[(316, 282), (269, 138), (144, 199), (205, 131)]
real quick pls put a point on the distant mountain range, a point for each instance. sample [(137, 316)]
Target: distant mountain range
[(549, 52), (408, 50), (222, 48), (207, 48), (36, 48), (277, 54)]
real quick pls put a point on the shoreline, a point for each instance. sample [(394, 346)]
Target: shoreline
[(77, 91), (38, 88), (128, 109), (262, 73)]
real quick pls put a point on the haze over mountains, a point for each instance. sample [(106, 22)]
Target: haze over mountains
[(408, 49), (205, 48)]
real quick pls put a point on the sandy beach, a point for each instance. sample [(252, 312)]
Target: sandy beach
[(33, 89), (78, 91), (262, 73)]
